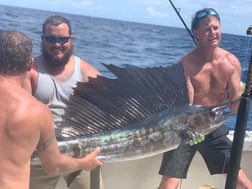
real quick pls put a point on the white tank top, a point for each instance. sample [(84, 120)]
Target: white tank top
[(56, 93)]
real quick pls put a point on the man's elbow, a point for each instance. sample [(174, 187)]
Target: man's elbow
[(52, 170)]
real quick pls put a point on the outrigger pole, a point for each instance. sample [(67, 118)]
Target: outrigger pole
[(240, 129), (189, 31)]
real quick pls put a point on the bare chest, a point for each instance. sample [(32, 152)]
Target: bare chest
[(210, 83)]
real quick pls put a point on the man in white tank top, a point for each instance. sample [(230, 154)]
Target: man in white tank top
[(55, 72)]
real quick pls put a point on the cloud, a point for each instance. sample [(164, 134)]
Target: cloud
[(153, 12), (74, 4), (87, 3)]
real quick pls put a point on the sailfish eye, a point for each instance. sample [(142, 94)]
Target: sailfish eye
[(212, 113)]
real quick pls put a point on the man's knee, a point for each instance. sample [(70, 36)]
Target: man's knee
[(168, 183)]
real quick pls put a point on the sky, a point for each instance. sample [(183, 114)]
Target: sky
[(236, 15)]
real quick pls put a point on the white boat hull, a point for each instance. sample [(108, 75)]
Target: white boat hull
[(143, 173)]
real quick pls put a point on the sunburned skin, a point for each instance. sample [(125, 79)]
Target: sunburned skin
[(43, 146)]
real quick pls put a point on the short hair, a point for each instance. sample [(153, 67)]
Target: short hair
[(56, 20), (201, 14), (15, 52)]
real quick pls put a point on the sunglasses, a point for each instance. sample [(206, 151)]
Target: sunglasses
[(202, 14), (205, 12), (54, 39)]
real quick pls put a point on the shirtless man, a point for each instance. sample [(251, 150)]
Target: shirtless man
[(27, 124), (213, 77)]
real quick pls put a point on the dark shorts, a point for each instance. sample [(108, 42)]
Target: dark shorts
[(215, 150)]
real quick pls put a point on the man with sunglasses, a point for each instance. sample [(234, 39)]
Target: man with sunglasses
[(27, 124), (213, 77), (55, 72)]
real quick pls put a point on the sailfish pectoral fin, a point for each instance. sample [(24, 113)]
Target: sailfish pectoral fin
[(192, 137), (195, 138)]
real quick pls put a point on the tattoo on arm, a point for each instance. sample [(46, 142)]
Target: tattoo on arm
[(44, 145)]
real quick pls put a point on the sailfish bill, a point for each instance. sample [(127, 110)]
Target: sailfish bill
[(139, 113)]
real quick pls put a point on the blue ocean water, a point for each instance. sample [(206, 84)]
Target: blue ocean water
[(122, 43)]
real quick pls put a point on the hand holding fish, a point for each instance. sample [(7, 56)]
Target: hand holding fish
[(90, 162)]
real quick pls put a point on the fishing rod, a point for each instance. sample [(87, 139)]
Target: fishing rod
[(240, 129), (189, 31)]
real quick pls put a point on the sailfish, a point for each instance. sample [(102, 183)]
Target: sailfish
[(140, 112)]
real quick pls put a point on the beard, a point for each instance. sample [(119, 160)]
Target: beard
[(55, 61)]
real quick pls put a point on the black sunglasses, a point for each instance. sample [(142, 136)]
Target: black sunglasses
[(54, 39)]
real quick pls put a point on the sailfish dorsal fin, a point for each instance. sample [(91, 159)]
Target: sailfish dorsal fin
[(136, 94)]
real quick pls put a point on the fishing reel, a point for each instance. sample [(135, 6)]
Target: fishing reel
[(249, 30)]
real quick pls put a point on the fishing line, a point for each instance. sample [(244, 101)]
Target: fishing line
[(180, 183), (188, 30), (248, 86), (246, 60), (223, 168)]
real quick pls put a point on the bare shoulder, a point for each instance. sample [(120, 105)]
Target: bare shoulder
[(37, 111), (31, 79), (229, 55), (26, 117), (41, 120), (188, 61), (32, 113), (189, 57), (88, 70), (230, 58)]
